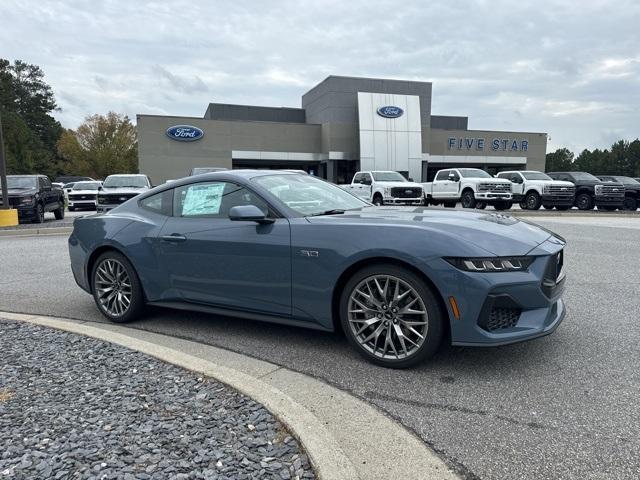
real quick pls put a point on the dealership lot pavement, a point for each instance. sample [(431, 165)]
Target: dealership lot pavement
[(564, 406)]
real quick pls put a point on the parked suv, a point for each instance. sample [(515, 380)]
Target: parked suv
[(591, 191), (535, 189), (33, 196), (117, 189), (631, 189), (474, 188)]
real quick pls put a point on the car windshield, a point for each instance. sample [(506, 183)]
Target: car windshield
[(536, 176), (135, 181), (388, 177), (86, 186), (21, 182), (584, 176), (309, 195), (625, 180), (473, 173)]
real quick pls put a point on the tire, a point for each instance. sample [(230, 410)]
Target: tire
[(386, 320), (562, 208), (449, 204), (523, 205), (59, 212), (533, 201), (468, 199), (584, 202), (630, 204), (107, 267), (550, 207), (481, 205), (377, 200), (502, 205), (38, 214)]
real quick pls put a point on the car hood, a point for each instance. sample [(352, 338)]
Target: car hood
[(490, 180), (399, 184), (496, 233), (122, 191), (560, 183)]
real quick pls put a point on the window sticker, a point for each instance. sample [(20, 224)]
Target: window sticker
[(203, 199)]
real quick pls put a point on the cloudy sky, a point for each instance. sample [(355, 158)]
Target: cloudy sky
[(569, 68)]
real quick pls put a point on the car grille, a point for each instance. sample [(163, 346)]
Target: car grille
[(114, 198), (494, 187), (560, 190), (82, 197), (409, 192), (610, 190), (502, 317)]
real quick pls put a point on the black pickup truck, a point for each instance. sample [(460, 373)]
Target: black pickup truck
[(593, 192), (32, 196), (631, 189)]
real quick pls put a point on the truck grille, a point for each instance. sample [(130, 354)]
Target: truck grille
[(610, 190), (560, 190), (114, 198), (82, 197), (501, 317), (408, 192), (495, 187)]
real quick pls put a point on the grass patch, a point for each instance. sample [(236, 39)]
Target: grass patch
[(6, 395)]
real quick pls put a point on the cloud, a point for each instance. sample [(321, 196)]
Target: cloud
[(568, 68)]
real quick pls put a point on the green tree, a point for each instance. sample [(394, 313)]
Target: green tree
[(26, 102), (560, 160), (101, 146)]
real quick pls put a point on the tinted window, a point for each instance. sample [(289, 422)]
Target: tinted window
[(213, 199), (536, 176), (44, 182), (86, 186), (366, 178), (388, 177), (160, 202), (123, 181), (584, 176), (21, 182), (443, 175), (358, 178)]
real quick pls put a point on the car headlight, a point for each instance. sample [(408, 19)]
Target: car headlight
[(491, 264), (26, 201), (598, 189), (387, 191), (546, 188)]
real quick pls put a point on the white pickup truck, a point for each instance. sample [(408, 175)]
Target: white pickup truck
[(385, 187), (472, 187), (535, 189)]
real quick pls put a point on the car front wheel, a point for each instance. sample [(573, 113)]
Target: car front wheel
[(533, 201), (391, 316), (116, 288), (468, 199)]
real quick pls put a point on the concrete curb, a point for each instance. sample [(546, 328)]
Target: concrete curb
[(27, 232), (344, 437)]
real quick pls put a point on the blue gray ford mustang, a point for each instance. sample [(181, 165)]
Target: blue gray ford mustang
[(290, 248)]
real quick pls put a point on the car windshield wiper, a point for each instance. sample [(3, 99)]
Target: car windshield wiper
[(334, 211)]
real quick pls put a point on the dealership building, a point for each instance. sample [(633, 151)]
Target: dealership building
[(345, 124)]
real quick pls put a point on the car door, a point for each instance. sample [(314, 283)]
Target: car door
[(46, 192), (210, 259), (356, 186), (517, 183), (366, 186), (439, 184)]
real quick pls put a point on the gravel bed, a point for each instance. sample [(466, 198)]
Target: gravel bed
[(76, 407)]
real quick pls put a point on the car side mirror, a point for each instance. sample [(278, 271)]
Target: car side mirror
[(248, 213), (410, 179), (453, 177), (366, 182), (99, 188)]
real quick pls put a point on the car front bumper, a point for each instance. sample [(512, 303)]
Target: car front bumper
[(403, 201), (489, 196), (503, 308), (82, 203), (558, 200), (605, 201)]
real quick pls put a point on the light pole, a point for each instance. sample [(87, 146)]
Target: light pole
[(8, 216)]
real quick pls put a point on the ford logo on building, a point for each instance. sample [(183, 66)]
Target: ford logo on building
[(390, 111), (184, 133)]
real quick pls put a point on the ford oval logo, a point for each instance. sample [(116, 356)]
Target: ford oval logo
[(184, 133), (390, 111)]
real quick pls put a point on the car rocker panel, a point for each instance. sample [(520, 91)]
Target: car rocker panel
[(489, 279)]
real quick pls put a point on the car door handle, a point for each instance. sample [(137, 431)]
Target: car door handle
[(174, 238)]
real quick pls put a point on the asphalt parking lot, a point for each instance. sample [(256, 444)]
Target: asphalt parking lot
[(564, 406)]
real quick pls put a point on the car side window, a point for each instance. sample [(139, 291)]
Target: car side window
[(515, 178), (358, 178), (213, 199), (366, 179), (443, 175), (161, 203)]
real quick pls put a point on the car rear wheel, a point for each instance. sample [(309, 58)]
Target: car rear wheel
[(468, 199), (391, 316), (116, 288), (59, 212)]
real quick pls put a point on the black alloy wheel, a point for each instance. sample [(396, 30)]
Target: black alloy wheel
[(468, 199), (533, 201), (584, 202)]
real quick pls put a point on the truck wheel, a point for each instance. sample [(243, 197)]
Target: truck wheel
[(38, 214), (584, 202), (449, 204), (391, 316), (59, 212), (533, 201), (481, 205), (468, 199), (377, 200), (630, 203), (523, 205)]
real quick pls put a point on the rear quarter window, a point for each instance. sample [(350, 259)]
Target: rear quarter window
[(161, 203)]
